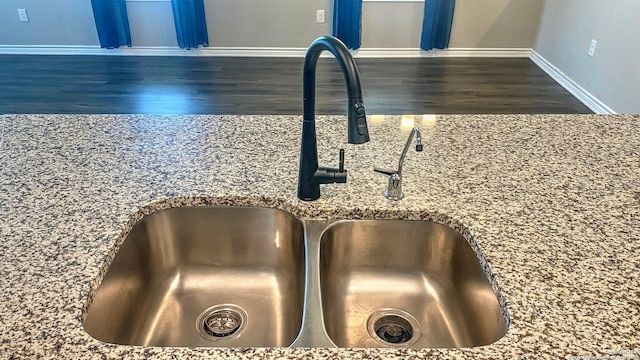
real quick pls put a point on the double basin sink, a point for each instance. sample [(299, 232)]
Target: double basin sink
[(260, 277)]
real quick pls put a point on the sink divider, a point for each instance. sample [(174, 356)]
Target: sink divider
[(312, 331)]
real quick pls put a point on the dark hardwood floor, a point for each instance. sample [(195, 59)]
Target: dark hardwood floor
[(222, 85)]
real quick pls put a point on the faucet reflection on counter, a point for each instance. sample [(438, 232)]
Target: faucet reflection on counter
[(310, 174)]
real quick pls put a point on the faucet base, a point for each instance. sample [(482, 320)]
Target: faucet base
[(324, 175), (394, 188), (393, 197), (308, 192)]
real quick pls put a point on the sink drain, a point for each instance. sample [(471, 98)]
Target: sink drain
[(393, 327), (221, 322)]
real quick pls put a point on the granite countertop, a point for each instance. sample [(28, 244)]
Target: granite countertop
[(553, 201)]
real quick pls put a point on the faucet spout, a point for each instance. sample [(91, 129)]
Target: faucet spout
[(311, 175), (414, 132)]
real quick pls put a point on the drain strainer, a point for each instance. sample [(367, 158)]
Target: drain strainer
[(222, 322), (393, 327)]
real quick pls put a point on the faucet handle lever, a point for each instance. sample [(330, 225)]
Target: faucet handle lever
[(384, 171), (341, 161)]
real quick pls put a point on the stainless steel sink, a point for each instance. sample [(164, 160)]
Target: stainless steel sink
[(239, 277), (405, 283), (201, 276)]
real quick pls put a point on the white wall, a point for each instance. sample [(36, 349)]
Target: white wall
[(51, 22), (275, 23), (613, 74), (265, 23), (392, 24), (496, 23), (151, 23)]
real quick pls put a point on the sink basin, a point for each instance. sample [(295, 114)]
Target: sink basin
[(204, 276), (258, 277), (416, 284)]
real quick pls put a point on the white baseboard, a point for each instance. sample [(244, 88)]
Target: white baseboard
[(451, 52), (258, 51), (588, 99)]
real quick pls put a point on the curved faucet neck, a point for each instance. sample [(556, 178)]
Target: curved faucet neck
[(347, 64), (414, 132)]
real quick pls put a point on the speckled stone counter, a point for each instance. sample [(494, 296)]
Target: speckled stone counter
[(552, 201)]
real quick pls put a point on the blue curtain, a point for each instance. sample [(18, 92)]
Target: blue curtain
[(347, 21), (191, 25), (112, 23), (436, 25)]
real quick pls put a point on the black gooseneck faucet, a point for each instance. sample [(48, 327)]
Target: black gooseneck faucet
[(310, 175)]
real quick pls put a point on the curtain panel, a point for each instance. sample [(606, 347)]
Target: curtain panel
[(437, 23), (347, 22), (191, 24), (112, 23)]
